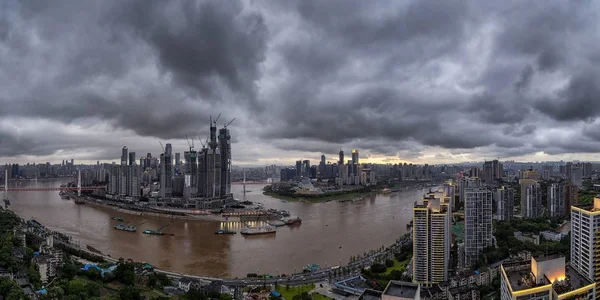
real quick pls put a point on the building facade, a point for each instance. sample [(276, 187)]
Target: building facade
[(585, 239), (531, 199), (505, 203), (431, 241), (478, 222)]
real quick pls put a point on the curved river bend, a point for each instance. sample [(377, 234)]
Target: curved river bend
[(329, 234)]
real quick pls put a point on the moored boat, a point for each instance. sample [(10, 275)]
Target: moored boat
[(225, 231), (125, 227), (258, 230), (292, 221)]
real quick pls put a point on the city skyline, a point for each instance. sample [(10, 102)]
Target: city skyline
[(479, 81)]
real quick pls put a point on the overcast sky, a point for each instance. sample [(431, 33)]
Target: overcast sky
[(417, 81)]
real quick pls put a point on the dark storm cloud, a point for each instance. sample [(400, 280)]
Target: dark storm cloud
[(579, 100), (392, 78)]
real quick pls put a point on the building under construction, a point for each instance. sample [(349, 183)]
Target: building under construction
[(204, 182)]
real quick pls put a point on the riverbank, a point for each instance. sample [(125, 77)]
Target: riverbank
[(328, 198)]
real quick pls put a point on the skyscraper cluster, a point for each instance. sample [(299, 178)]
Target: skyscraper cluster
[(204, 174), (124, 179)]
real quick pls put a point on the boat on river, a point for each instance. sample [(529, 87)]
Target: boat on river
[(258, 230), (386, 191), (225, 231), (293, 221), (117, 219), (125, 227)]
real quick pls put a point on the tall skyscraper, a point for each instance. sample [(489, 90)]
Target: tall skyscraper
[(488, 172), (355, 157), (131, 158), (133, 180), (569, 170), (298, 168), (556, 200), (124, 156), (225, 147), (166, 172), (478, 222), (191, 173), (306, 168), (431, 240), (322, 166), (577, 177), (531, 198), (585, 239), (505, 202), (177, 160), (341, 161)]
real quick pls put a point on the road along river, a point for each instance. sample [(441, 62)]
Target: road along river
[(330, 232)]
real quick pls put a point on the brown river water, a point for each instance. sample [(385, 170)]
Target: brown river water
[(330, 232)]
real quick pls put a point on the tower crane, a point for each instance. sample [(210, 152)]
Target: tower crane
[(161, 145), (229, 123), (188, 141)]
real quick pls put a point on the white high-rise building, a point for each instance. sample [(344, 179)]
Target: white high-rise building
[(505, 203), (478, 222), (531, 198), (585, 240), (431, 240)]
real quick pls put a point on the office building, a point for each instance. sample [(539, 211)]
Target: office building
[(177, 160), (131, 158), (531, 198), (571, 194), (505, 203), (488, 172), (190, 173), (124, 156), (569, 171), (431, 240), (225, 148), (341, 160), (585, 239), (478, 222), (166, 172), (556, 200), (544, 278), (322, 167), (306, 168), (355, 157), (298, 168)]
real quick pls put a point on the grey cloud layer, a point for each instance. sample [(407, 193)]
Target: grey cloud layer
[(391, 77)]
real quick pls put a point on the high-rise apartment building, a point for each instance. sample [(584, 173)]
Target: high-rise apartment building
[(488, 172), (577, 177), (531, 198), (505, 203), (431, 240), (556, 200), (191, 173), (585, 239), (124, 156), (341, 160), (478, 222)]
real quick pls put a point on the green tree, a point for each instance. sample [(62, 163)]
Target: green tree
[(302, 296), (194, 294), (10, 289), (68, 270), (56, 292), (93, 289), (129, 293), (34, 276), (77, 287), (93, 274)]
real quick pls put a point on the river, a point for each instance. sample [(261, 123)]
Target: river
[(329, 234)]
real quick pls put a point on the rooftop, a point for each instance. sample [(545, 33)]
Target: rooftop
[(549, 256), (401, 289), (519, 275), (573, 281), (370, 294)]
